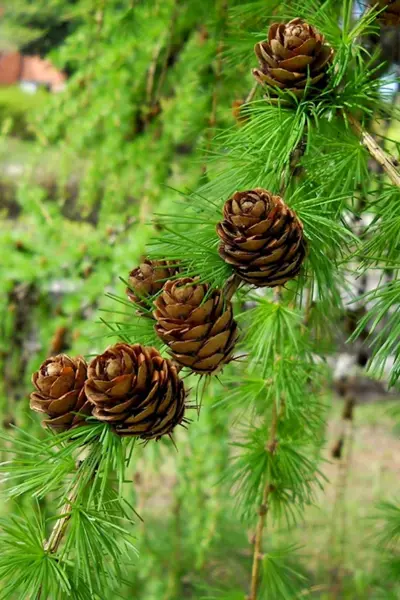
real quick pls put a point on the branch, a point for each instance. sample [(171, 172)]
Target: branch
[(270, 447), (263, 510), (339, 529), (376, 151), (252, 93), (223, 9), (57, 534), (151, 74)]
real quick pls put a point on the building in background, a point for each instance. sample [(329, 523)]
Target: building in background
[(30, 72)]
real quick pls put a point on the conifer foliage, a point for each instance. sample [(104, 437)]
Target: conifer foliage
[(270, 210)]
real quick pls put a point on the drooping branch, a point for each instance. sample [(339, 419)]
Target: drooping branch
[(263, 510), (222, 9), (56, 536), (343, 451), (270, 447)]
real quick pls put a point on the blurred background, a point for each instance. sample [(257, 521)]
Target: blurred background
[(107, 111)]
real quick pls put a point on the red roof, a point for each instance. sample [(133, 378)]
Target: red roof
[(10, 68), (15, 67)]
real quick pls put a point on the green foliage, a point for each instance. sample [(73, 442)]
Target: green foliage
[(194, 218), (46, 465), (290, 471), (383, 320), (16, 109), (99, 521), (37, 27), (281, 580), (382, 242), (272, 331), (135, 125), (389, 514), (25, 566), (100, 542)]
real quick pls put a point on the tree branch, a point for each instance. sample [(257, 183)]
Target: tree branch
[(376, 151), (223, 9), (263, 511), (270, 447), (58, 531), (252, 93)]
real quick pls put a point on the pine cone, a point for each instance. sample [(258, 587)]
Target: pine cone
[(136, 391), (197, 324), (390, 16), (262, 238), (294, 56), (148, 279), (60, 392)]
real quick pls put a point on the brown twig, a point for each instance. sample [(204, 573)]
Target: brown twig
[(151, 74), (174, 580), (309, 305), (386, 161), (344, 447), (167, 52), (58, 342), (58, 531), (270, 447), (223, 9), (251, 94), (263, 510)]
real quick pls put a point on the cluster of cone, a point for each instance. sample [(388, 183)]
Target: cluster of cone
[(134, 388), (131, 387), (262, 239)]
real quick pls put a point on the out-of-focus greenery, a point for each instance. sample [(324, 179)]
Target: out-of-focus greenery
[(16, 108), (125, 142)]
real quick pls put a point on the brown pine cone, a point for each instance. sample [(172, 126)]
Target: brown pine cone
[(262, 238), (60, 392), (148, 279), (136, 391), (294, 57), (197, 324), (391, 15)]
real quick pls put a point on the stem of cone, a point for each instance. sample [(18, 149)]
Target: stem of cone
[(376, 151), (231, 286), (252, 93)]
